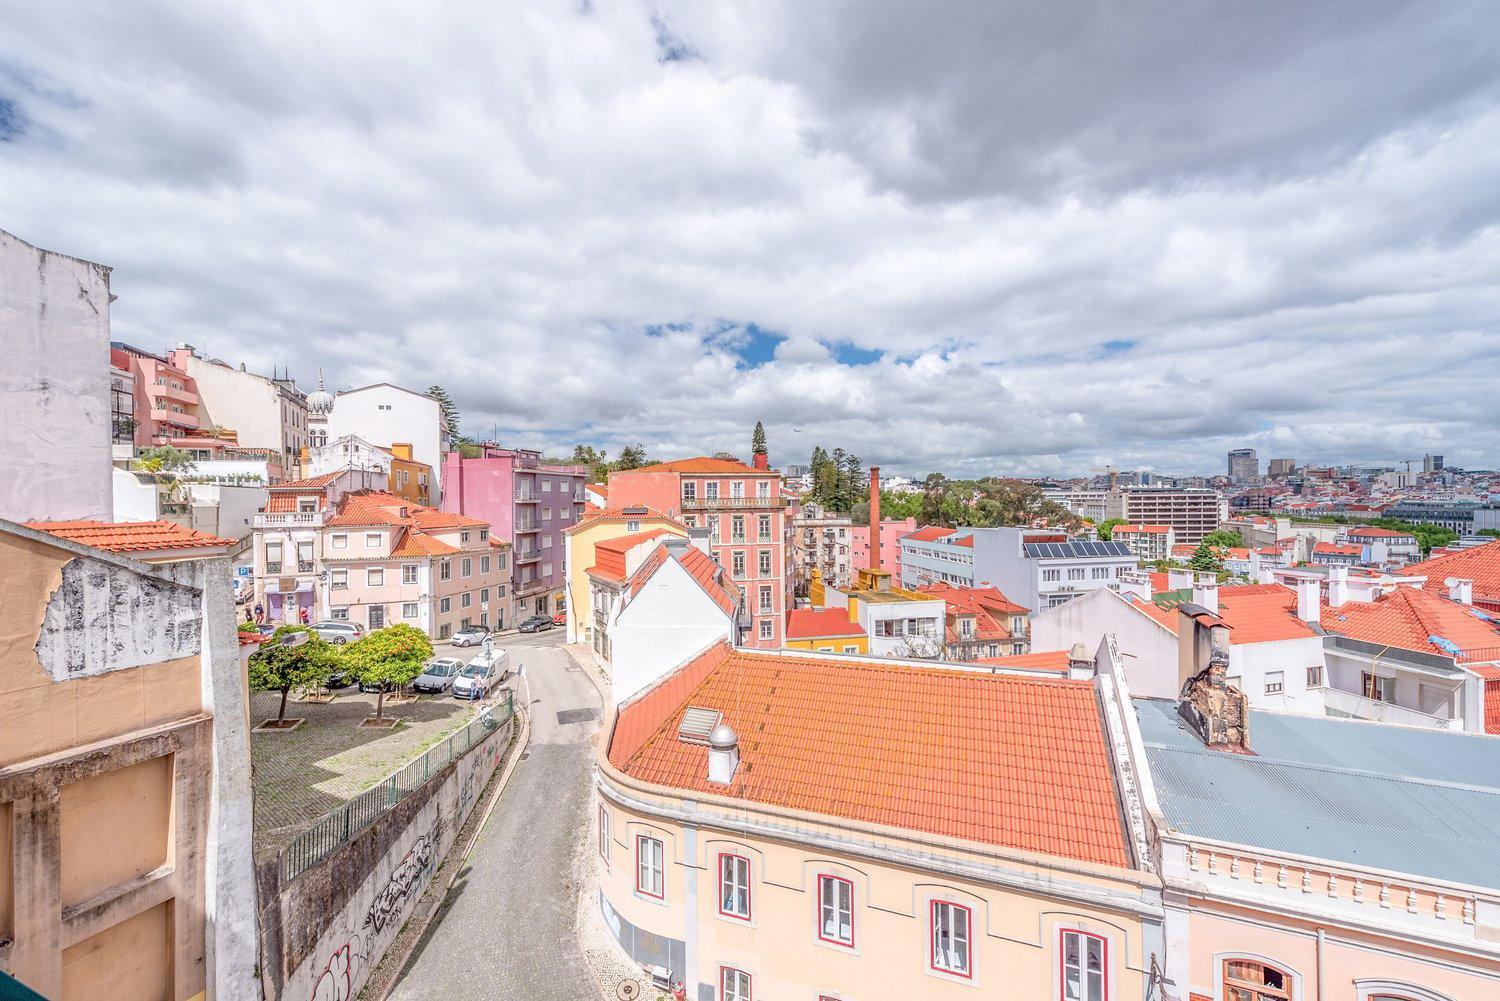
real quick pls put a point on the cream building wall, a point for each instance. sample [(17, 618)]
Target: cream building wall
[(579, 543)]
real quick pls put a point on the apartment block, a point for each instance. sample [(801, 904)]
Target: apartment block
[(526, 502), (1148, 543), (821, 539), (264, 412), (1036, 568)]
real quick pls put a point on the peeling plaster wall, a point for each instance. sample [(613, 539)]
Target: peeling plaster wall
[(104, 618), (54, 385), (323, 934)]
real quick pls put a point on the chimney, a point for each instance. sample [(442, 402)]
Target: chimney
[(1338, 586), (1216, 710), (1255, 567), (1307, 599), (1136, 582), (760, 460), (874, 517), (1206, 591), (1177, 579), (1461, 591), (723, 754), (1080, 664)]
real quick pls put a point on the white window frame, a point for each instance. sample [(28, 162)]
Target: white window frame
[(1088, 990), (341, 540), (466, 567), (338, 579), (735, 984), (831, 910), (375, 576), (650, 867), (372, 540), (604, 834), (734, 886), (957, 958), (408, 609), (408, 573)]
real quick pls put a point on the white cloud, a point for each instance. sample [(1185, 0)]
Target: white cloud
[(1079, 238)]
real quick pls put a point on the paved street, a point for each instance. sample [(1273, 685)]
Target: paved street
[(506, 930)]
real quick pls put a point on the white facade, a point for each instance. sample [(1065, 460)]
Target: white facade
[(225, 507), (903, 628), (350, 450), (55, 405), (261, 412), (383, 413), (671, 619)]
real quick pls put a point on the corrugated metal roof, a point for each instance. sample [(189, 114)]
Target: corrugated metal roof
[(1074, 550), (1425, 802)]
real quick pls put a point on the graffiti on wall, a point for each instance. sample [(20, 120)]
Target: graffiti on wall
[(338, 978), (390, 903)]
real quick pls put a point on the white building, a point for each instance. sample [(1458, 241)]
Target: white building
[(677, 602), (349, 450), (821, 539), (218, 506), (383, 414), (263, 412), (1148, 543), (55, 405)]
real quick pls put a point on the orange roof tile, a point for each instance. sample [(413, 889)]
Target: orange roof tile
[(820, 623), (1368, 532), (1480, 564), (1335, 549), (928, 533), (609, 554), (1409, 618), (1255, 613), (130, 536), (1039, 660), (706, 573), (1002, 759), (416, 543), (629, 512), (311, 483)]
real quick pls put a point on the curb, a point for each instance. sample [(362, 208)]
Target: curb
[(388, 971)]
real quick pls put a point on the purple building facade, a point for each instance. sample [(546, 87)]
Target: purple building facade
[(528, 503)]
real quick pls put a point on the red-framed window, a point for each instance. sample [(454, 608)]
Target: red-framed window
[(734, 985), (1084, 961), (951, 941), (836, 910), (734, 886), (650, 871)]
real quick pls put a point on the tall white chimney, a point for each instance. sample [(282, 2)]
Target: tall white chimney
[(1255, 567), (1308, 593), (1080, 663), (1461, 591), (723, 754), (1206, 591), (1338, 586)]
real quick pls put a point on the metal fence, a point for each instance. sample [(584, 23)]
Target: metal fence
[(339, 825)]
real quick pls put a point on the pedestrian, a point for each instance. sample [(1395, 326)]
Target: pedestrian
[(260, 613), (249, 616), (305, 616)]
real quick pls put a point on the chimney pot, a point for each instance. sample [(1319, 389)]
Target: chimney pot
[(723, 754), (1080, 664), (1461, 591), (1308, 594), (1206, 591)]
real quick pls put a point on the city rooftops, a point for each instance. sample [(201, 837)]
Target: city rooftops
[(140, 539), (1003, 759), (1076, 550)]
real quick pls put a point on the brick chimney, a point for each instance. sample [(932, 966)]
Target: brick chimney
[(760, 460), (874, 517), (1216, 710)]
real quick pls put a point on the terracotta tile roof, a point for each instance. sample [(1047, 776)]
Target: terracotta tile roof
[(1159, 582), (431, 518), (130, 536), (629, 512), (986, 605), (820, 623), (609, 554), (311, 483), (1039, 660), (1255, 613), (1334, 549), (1367, 532), (704, 464), (376, 507), (1002, 759), (1480, 564), (706, 573), (928, 533), (1410, 618), (416, 543)]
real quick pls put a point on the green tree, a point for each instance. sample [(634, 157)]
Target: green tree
[(165, 460), (857, 483), (393, 655), (1492, 532), (631, 457), (1205, 558), (1106, 528), (448, 412), (595, 458), (1223, 539), (758, 439), (276, 667)]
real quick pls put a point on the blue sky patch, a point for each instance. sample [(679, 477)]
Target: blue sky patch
[(847, 354), (1117, 347)]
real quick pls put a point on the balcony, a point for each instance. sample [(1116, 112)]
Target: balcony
[(527, 556), (1342, 703), (733, 503), (527, 497), (525, 525), (184, 396), (291, 519)]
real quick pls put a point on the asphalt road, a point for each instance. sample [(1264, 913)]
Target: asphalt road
[(506, 929)]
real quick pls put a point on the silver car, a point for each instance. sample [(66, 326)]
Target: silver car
[(338, 633), (470, 636), (438, 675)]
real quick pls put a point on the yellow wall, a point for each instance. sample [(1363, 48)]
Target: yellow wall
[(580, 557), (98, 850), (130, 961), (1015, 951), (832, 644)]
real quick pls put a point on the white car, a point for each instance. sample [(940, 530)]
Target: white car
[(437, 676), (470, 636), (481, 675)]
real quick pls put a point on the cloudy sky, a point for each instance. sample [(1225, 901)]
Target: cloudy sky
[(969, 236)]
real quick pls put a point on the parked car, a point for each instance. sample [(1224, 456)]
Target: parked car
[(559, 618), (536, 624), (438, 675), (384, 686), (470, 636), (338, 633), (481, 675)]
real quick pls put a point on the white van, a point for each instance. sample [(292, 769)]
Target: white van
[(482, 675)]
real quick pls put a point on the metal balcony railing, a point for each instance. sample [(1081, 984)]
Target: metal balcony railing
[(732, 503)]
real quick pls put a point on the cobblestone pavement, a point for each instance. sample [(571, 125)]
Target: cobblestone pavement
[(301, 774), (506, 930)]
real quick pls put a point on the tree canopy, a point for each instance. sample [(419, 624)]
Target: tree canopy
[(449, 414), (839, 481), (390, 656), (600, 465), (1206, 557), (990, 502), (1106, 528), (1223, 539), (276, 667), (758, 439)]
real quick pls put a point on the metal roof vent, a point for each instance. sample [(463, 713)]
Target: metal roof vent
[(697, 724), (635, 511)]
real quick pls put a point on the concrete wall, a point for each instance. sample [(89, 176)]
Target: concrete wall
[(55, 407), (410, 417), (1148, 648), (324, 933), (248, 404)]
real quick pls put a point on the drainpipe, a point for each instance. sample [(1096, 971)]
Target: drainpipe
[(690, 917), (1321, 942)]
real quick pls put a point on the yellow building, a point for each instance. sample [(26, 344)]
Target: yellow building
[(826, 630), (580, 556), (884, 619), (774, 826), (409, 478)]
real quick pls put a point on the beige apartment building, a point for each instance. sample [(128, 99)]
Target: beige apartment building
[(124, 766), (777, 826)]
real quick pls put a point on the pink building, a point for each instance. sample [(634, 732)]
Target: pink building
[(745, 511), (166, 399), (526, 502), (891, 531)]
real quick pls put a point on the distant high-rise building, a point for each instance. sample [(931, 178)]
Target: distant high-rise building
[(1281, 467), (1243, 465), (1432, 463)]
